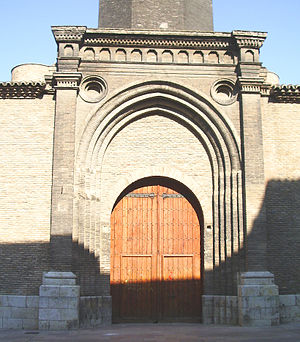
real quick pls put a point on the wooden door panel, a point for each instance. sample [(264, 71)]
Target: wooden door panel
[(136, 287), (178, 289), (155, 257)]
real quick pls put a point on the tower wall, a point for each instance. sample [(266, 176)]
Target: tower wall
[(172, 15)]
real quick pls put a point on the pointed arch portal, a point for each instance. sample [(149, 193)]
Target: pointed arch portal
[(99, 180), (156, 253)]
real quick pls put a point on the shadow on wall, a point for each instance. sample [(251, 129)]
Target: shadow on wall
[(282, 201), (22, 265)]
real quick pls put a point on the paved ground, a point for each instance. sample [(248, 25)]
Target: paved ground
[(161, 333)]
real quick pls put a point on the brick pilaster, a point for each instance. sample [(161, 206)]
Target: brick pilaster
[(63, 170), (250, 84)]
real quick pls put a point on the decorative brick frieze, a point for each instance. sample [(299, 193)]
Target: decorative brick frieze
[(23, 90), (67, 80), (49, 84), (250, 85), (142, 46), (285, 93), (248, 39), (265, 90), (248, 44), (93, 42), (68, 33), (156, 41), (116, 46), (157, 55)]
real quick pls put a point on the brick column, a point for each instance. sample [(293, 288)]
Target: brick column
[(63, 170), (250, 84)]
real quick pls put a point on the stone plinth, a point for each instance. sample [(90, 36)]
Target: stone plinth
[(258, 299), (59, 301)]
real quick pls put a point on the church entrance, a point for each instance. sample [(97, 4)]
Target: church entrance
[(155, 257)]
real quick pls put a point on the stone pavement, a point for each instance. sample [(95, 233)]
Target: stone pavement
[(161, 333)]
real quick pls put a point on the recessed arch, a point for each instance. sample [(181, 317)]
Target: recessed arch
[(193, 112), (126, 101)]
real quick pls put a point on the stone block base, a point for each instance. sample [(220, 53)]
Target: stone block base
[(219, 310), (95, 311), (19, 312), (289, 308), (59, 301), (258, 299)]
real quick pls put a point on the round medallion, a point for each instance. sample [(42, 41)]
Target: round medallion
[(93, 89), (224, 92)]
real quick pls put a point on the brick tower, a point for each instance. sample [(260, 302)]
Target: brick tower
[(172, 15)]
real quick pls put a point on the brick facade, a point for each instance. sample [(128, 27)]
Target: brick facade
[(197, 108), (281, 124)]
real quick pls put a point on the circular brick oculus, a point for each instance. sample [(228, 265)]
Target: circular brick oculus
[(224, 92), (93, 89)]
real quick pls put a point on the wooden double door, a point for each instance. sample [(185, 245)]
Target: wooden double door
[(155, 257)]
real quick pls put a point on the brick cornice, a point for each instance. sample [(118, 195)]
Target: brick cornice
[(157, 40), (285, 93), (68, 33), (101, 37), (67, 80), (250, 85), (22, 90), (249, 39)]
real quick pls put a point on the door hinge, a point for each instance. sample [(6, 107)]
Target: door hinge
[(134, 195)]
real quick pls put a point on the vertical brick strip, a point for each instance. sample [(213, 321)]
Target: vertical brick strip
[(63, 170), (252, 141), (250, 84)]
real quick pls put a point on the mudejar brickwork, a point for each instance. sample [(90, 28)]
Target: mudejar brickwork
[(151, 174)]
